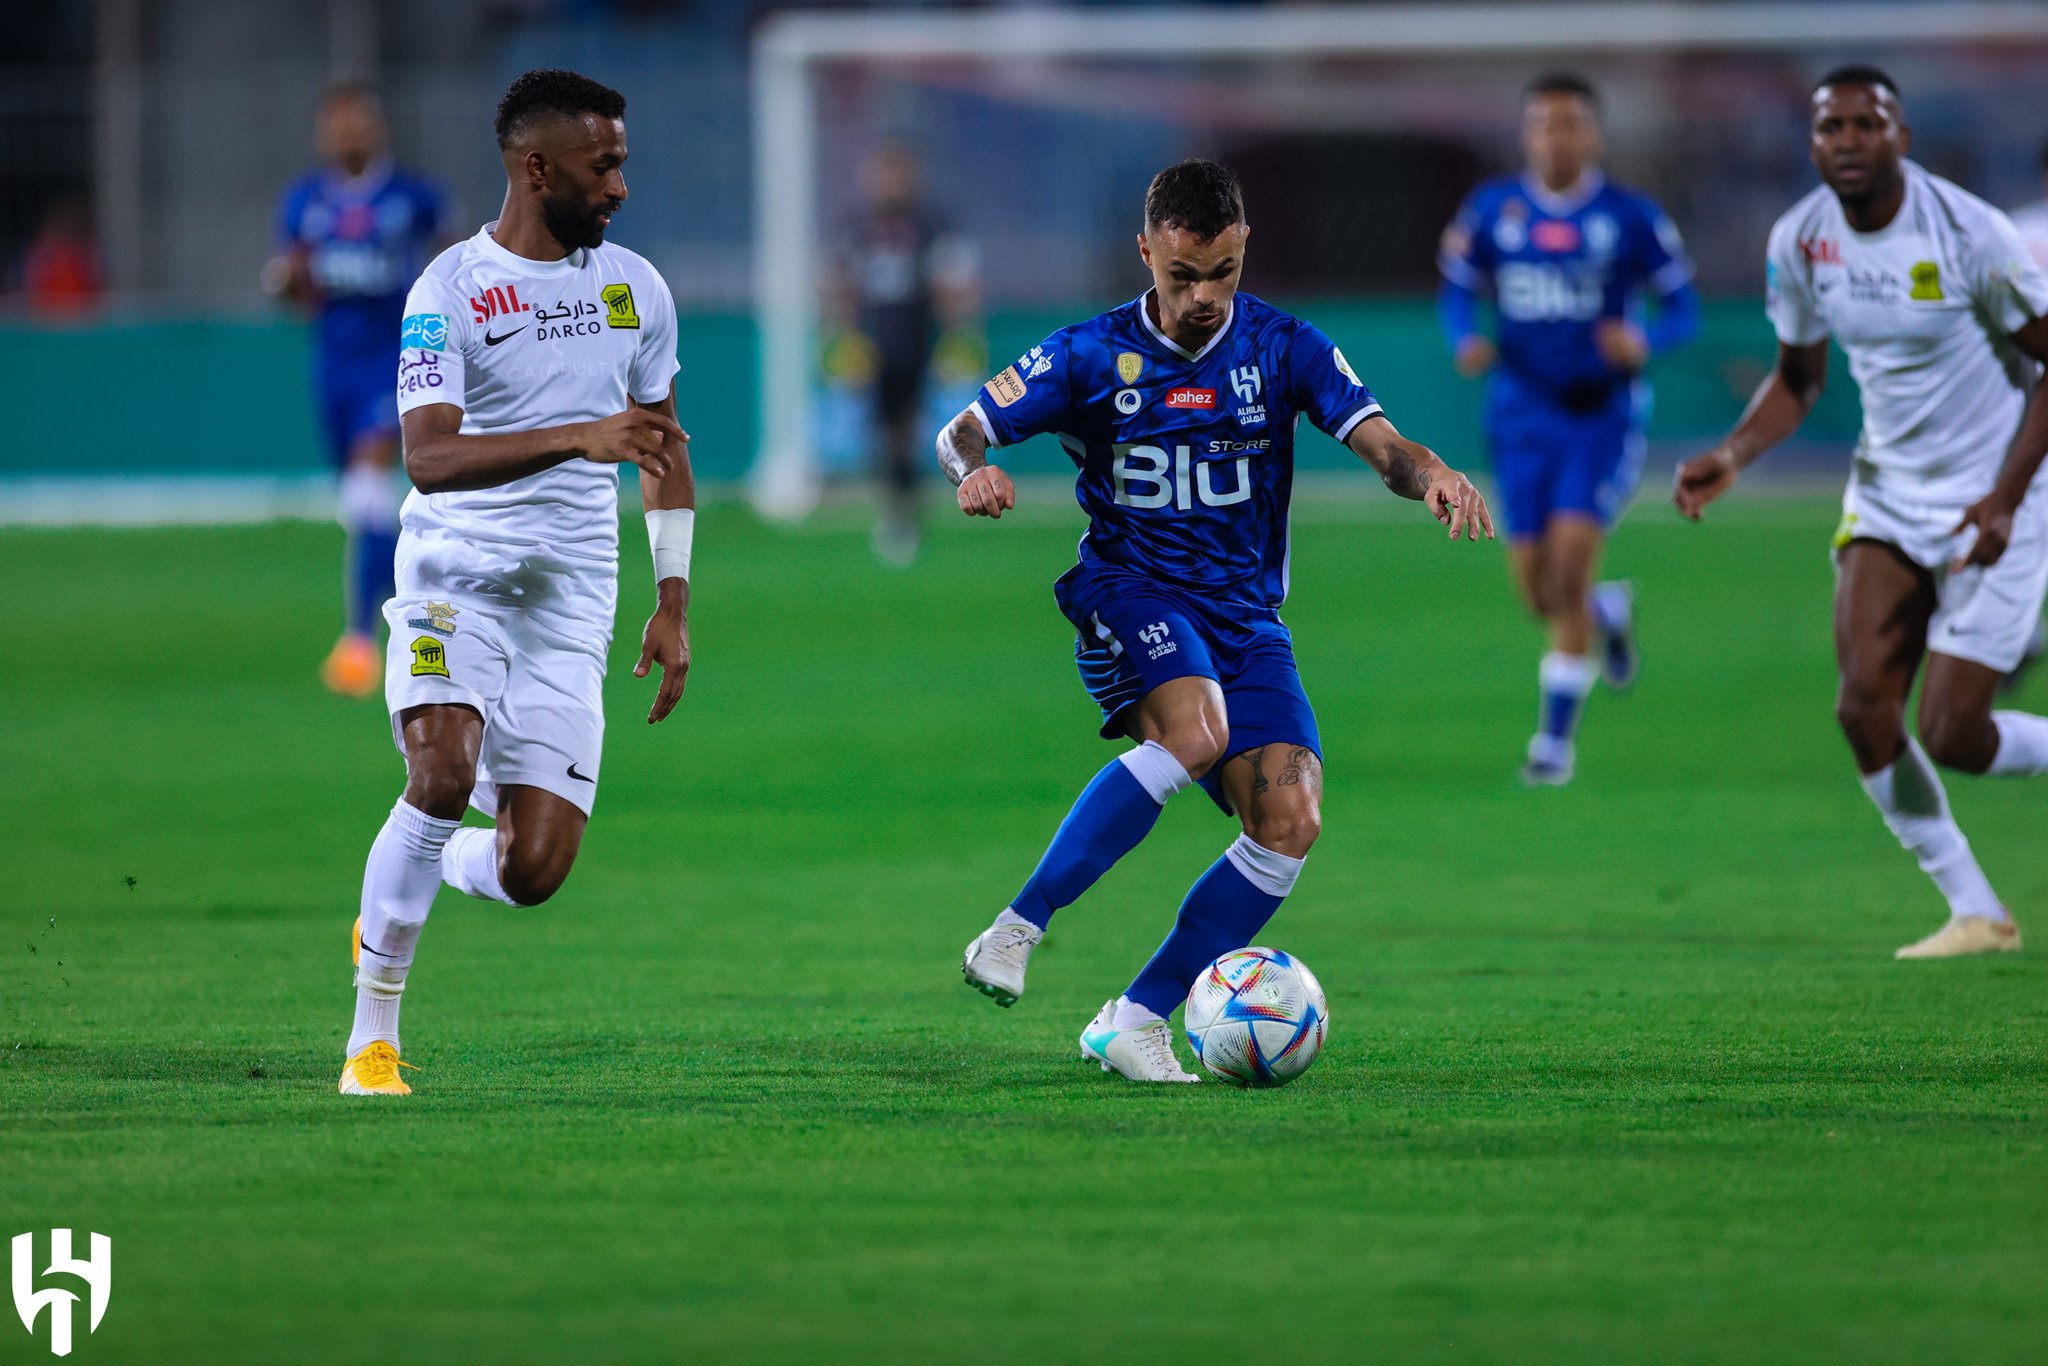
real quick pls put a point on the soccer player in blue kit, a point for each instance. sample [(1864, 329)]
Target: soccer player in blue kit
[(1566, 257), (1178, 409), (351, 238)]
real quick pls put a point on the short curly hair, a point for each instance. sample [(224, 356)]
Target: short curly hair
[(551, 93), (1199, 197)]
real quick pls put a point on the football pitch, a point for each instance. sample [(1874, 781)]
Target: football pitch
[(1622, 1072)]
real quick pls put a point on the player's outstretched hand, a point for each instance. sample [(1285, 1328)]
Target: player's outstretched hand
[(1701, 480), (638, 436), (1453, 501), (987, 492), (666, 642), (1475, 356), (1992, 516)]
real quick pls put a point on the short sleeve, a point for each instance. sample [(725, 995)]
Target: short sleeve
[(1788, 290), (431, 342), (654, 360), (1322, 384), (1661, 259), (2004, 279), (1032, 396), (1461, 251), (291, 214)]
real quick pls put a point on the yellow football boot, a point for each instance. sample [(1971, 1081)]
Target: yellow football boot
[(374, 1072)]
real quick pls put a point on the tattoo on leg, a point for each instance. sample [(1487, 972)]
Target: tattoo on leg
[(1252, 757)]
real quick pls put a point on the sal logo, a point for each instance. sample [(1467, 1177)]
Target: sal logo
[(1197, 400), (1820, 251), (499, 301), (429, 656), (618, 306), (97, 1271), (440, 617)]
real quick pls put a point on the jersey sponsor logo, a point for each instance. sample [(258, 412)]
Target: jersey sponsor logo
[(1554, 235), (497, 302), (493, 338), (1128, 401), (1129, 365), (1873, 286), (1926, 282), (1225, 446), (419, 373), (1197, 400), (618, 306), (424, 332), (1034, 363), (1147, 477), (440, 617), (1820, 251), (1344, 366), (1533, 292), (571, 320), (429, 656), (1007, 387)]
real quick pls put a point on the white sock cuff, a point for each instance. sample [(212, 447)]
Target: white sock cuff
[(368, 499), (1574, 674), (1274, 874), (428, 830), (2022, 743), (1156, 770)]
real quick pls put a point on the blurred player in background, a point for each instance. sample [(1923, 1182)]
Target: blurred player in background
[(1179, 411), (902, 288), (1566, 258), (536, 358), (1942, 553), (2031, 220), (350, 237)]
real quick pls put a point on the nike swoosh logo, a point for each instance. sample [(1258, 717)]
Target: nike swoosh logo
[(578, 776), (1099, 1042), (490, 340)]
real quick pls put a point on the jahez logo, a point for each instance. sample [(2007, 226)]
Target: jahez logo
[(498, 301), (1554, 235), (1200, 400)]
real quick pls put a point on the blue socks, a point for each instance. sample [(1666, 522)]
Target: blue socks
[(1113, 815), (369, 515), (1224, 910)]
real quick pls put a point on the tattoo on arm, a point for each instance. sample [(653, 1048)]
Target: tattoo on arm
[(1403, 475), (963, 447)]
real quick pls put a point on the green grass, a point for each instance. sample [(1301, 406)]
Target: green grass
[(1619, 1073)]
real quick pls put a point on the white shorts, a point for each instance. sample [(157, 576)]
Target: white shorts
[(1983, 615), (540, 693)]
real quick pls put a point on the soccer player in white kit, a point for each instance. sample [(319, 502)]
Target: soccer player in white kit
[(535, 359), (1942, 551)]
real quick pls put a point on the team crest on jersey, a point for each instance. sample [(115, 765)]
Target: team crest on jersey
[(429, 656), (424, 332), (618, 306), (1926, 282), (1129, 365), (440, 617)]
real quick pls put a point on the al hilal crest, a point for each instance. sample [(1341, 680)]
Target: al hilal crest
[(1129, 364), (97, 1271)]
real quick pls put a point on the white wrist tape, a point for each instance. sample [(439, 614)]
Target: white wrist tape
[(668, 533)]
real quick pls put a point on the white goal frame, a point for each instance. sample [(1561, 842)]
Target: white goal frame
[(790, 49)]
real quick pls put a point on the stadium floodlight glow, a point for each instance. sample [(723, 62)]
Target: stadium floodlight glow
[(791, 48)]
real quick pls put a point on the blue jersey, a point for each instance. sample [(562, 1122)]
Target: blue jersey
[(366, 240), (1186, 459), (1556, 266)]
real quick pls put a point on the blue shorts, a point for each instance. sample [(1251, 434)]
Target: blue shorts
[(355, 401), (1548, 461), (1135, 633)]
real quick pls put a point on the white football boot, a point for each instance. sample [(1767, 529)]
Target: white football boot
[(994, 963), (1144, 1054), (1965, 934)]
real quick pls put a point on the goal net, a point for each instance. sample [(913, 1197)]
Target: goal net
[(1356, 130)]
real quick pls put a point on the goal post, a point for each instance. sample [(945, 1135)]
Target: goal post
[(794, 50)]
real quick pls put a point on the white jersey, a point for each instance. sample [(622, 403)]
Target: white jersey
[(2031, 221), (1925, 308), (518, 345)]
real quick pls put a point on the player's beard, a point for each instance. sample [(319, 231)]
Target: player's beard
[(573, 220)]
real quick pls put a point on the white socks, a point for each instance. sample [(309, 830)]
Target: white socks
[(1272, 873), (1156, 770), (399, 883), (1911, 799), (470, 864), (2022, 743)]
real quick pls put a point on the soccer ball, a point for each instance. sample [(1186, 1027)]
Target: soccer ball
[(1256, 1017)]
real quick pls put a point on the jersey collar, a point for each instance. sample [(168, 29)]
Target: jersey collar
[(1568, 201), (374, 178), (1145, 316), (488, 246)]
